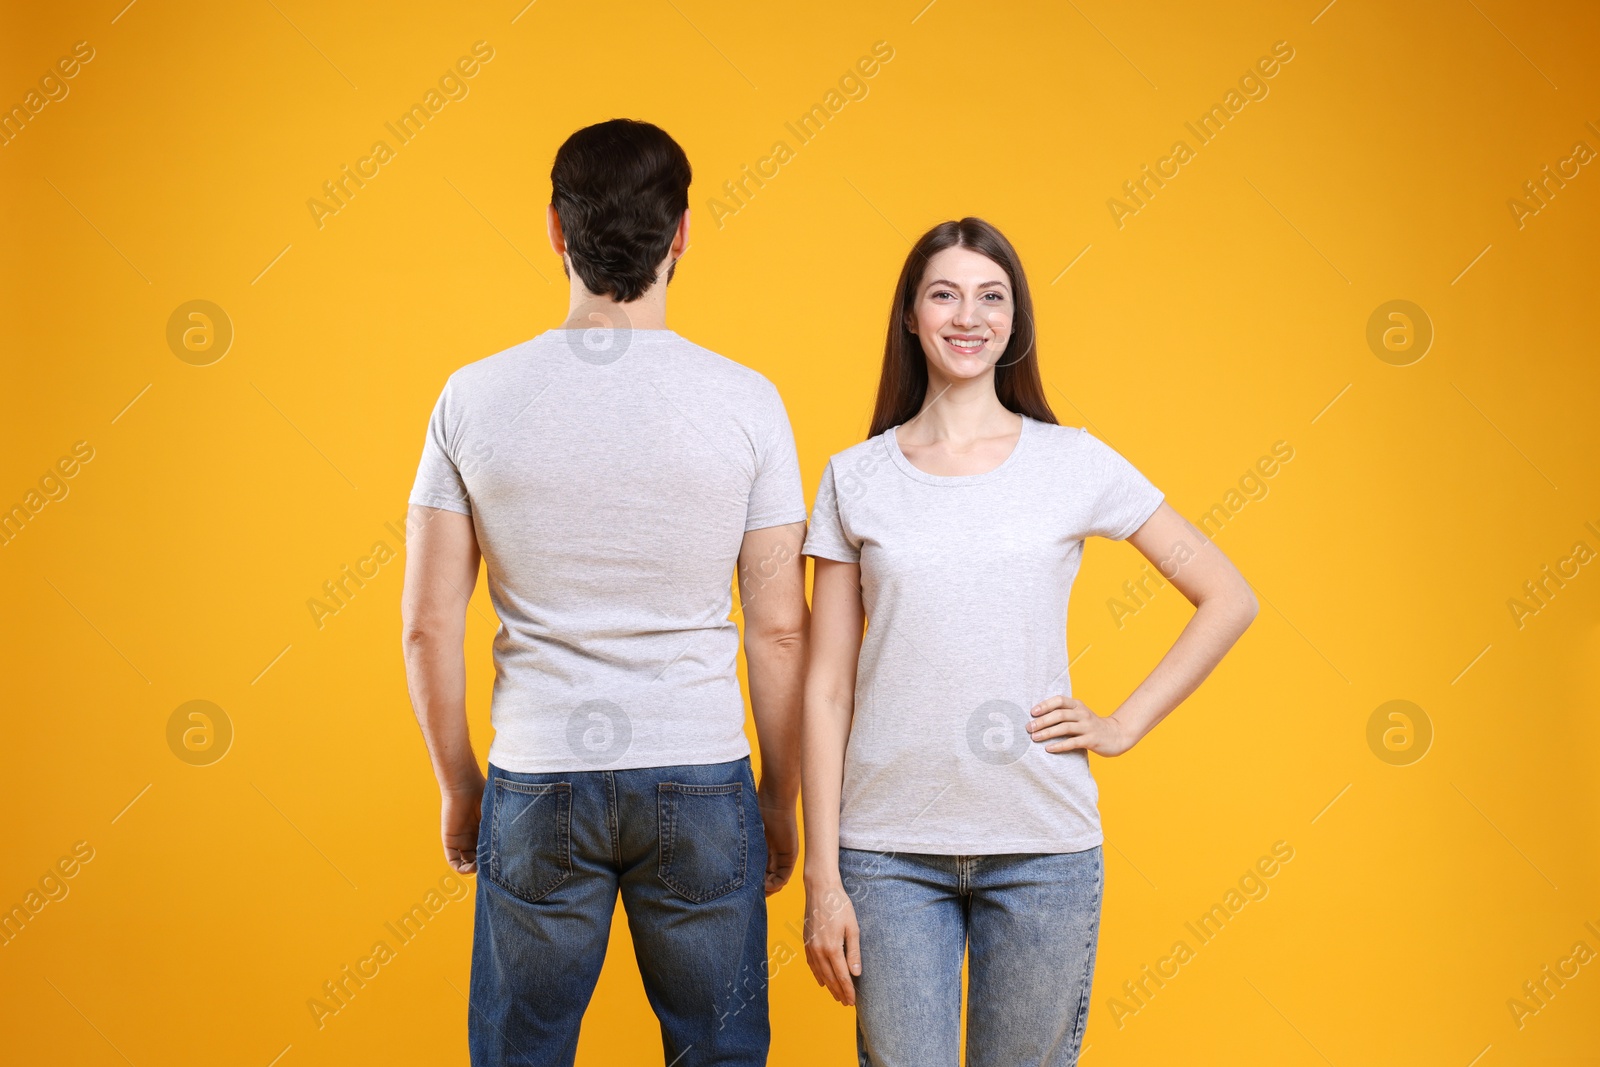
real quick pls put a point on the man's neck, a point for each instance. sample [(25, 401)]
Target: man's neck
[(587, 310)]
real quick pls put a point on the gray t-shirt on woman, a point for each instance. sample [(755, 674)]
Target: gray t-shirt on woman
[(611, 477), (965, 581)]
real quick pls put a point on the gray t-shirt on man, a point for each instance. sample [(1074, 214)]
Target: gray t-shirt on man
[(611, 478), (965, 581)]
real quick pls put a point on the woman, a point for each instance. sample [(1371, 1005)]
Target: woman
[(948, 798)]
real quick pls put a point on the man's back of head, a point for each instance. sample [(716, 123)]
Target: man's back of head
[(620, 189)]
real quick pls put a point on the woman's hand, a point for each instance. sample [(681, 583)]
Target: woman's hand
[(1073, 724), (833, 940)]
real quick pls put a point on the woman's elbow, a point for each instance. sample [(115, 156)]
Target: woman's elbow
[(1236, 603), (1248, 606)]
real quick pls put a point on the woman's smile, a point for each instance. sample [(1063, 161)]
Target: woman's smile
[(966, 344)]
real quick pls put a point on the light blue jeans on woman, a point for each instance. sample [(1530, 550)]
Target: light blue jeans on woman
[(1031, 923)]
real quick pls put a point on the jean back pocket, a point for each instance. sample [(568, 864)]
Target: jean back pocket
[(704, 848), (530, 837)]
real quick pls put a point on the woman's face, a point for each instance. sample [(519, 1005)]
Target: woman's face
[(962, 314)]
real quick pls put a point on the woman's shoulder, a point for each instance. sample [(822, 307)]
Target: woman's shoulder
[(873, 448), (1078, 451), (1058, 436), (1072, 449)]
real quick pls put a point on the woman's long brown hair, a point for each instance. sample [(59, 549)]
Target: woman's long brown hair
[(903, 385)]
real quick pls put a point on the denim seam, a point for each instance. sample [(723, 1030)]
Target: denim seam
[(611, 816), (964, 874), (1088, 968), (666, 814)]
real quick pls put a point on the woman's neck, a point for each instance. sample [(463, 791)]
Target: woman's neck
[(960, 413)]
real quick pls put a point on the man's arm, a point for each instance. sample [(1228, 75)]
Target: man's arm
[(441, 570), (772, 595)]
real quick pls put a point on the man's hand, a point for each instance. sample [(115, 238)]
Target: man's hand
[(783, 840), (1076, 725), (461, 808)]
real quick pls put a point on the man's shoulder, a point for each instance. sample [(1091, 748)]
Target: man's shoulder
[(717, 368), (695, 360), (678, 368), (491, 368)]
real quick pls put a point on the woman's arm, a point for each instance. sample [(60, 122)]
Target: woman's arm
[(837, 617), (1224, 607)]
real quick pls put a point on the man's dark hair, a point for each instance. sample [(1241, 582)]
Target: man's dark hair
[(619, 188)]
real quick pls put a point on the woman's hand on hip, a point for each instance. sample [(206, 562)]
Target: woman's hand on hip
[(1063, 724)]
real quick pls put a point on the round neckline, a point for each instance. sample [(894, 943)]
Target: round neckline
[(913, 471), (664, 332)]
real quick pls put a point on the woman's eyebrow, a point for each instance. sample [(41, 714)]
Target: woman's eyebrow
[(953, 285)]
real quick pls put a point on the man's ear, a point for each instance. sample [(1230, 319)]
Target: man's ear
[(558, 240), (680, 240)]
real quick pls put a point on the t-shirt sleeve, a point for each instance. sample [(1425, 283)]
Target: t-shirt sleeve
[(776, 496), (826, 536), (439, 483), (1123, 497)]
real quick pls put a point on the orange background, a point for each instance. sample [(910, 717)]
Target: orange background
[(1228, 314)]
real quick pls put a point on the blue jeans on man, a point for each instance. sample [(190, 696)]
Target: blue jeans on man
[(684, 846)]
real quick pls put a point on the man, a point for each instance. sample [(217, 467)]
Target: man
[(613, 476)]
